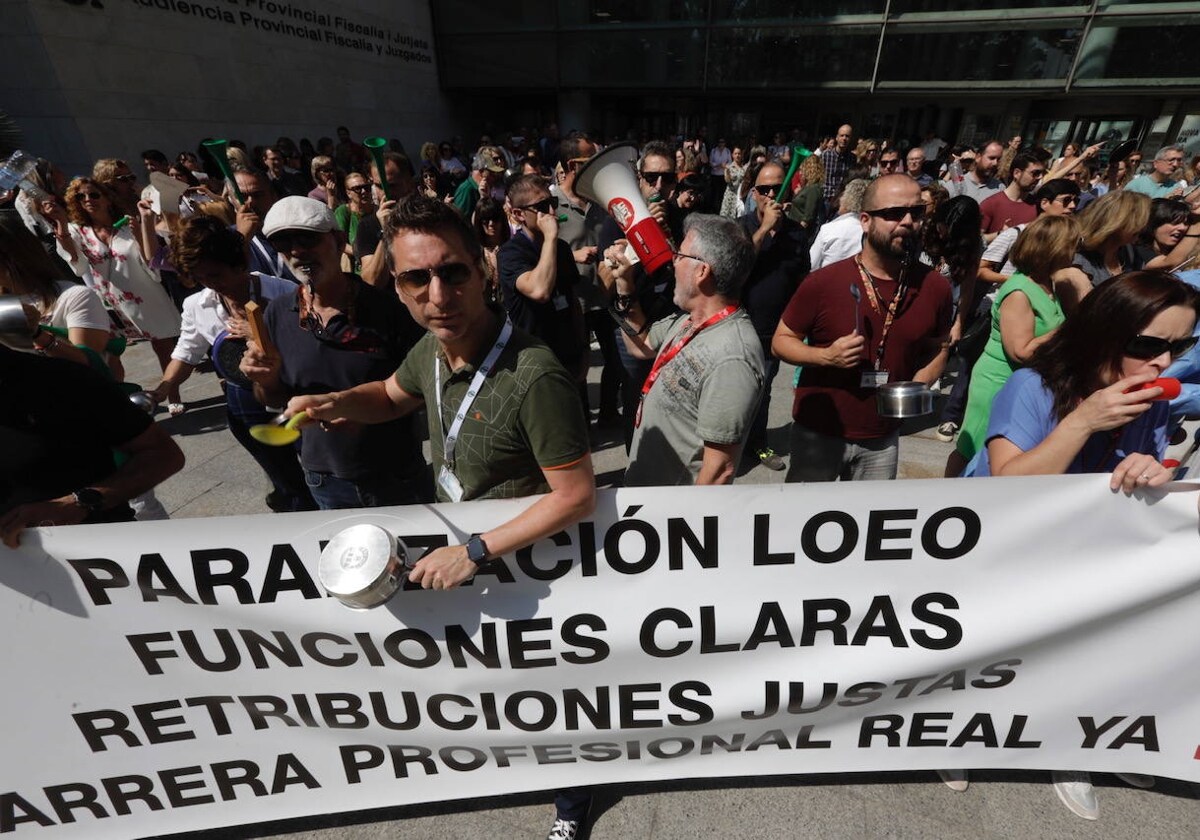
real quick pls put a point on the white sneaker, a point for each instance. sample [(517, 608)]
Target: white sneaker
[(1075, 789), (1137, 780), (956, 780)]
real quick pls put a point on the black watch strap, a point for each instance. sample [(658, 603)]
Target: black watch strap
[(477, 550)]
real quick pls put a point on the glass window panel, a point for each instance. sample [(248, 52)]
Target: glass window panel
[(975, 55), (1153, 51), (580, 12), (793, 58), (474, 61), (655, 58), (481, 16), (907, 6), (744, 10)]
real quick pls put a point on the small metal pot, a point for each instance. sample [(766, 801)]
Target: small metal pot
[(14, 329), (901, 400), (363, 566)]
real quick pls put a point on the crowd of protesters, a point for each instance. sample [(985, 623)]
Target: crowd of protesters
[(474, 284)]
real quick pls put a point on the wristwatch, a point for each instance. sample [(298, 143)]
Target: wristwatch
[(477, 551), (90, 499)]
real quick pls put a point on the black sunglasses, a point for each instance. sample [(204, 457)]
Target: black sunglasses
[(667, 178), (452, 274), (767, 189), (291, 239), (546, 205), (127, 178), (360, 188), (1146, 347), (897, 214)]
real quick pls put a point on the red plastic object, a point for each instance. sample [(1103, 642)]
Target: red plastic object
[(1171, 388)]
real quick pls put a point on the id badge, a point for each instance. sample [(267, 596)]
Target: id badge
[(560, 303), (450, 484), (873, 378)]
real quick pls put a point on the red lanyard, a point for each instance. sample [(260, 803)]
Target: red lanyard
[(673, 350), (873, 297)]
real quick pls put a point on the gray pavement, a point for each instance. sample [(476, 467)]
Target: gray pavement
[(221, 479)]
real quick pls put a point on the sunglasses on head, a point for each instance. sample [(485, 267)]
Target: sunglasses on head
[(897, 214), (452, 274), (767, 189), (667, 178), (1146, 347), (546, 205), (291, 239)]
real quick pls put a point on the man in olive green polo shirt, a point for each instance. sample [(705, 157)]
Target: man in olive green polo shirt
[(505, 420)]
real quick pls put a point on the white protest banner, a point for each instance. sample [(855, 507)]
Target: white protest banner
[(173, 676)]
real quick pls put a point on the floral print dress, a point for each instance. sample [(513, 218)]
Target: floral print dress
[(128, 286)]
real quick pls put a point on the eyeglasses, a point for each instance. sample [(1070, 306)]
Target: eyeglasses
[(1146, 347), (91, 196), (546, 205), (290, 240), (359, 188), (667, 178), (128, 179), (452, 274), (1066, 200), (888, 164), (897, 214), (680, 255), (767, 189)]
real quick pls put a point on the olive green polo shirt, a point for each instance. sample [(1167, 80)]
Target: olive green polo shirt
[(526, 418)]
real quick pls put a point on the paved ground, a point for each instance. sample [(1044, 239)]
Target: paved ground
[(221, 479)]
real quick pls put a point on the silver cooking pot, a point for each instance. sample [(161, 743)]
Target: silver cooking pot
[(14, 329), (901, 400), (363, 566)]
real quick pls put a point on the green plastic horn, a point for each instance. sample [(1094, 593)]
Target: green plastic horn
[(376, 146), (799, 153), (217, 149)]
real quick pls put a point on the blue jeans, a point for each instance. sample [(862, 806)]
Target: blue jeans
[(333, 493), (635, 372)]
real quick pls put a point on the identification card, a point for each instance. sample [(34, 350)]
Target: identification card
[(560, 303), (450, 484), (873, 378)]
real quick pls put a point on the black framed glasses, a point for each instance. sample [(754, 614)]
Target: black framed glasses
[(889, 164), (1146, 347), (767, 189), (1067, 200), (289, 240), (667, 178), (897, 214), (359, 188), (452, 274), (547, 205)]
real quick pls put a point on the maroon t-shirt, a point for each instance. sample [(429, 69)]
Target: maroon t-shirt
[(999, 208), (829, 400)]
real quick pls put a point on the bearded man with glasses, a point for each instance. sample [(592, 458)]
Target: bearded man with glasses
[(335, 330), (874, 318)]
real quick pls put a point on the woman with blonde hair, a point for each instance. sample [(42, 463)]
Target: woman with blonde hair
[(1108, 229), (115, 260), (1025, 314)]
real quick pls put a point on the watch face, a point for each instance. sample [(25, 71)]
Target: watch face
[(90, 498), (476, 551)]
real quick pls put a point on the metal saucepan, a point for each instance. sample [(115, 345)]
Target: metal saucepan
[(14, 328), (901, 400), (363, 566)]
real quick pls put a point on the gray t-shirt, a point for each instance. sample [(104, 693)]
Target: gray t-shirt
[(708, 393), (969, 186)]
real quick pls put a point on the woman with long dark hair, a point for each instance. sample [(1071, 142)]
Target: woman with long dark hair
[(1171, 238), (1082, 406)]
